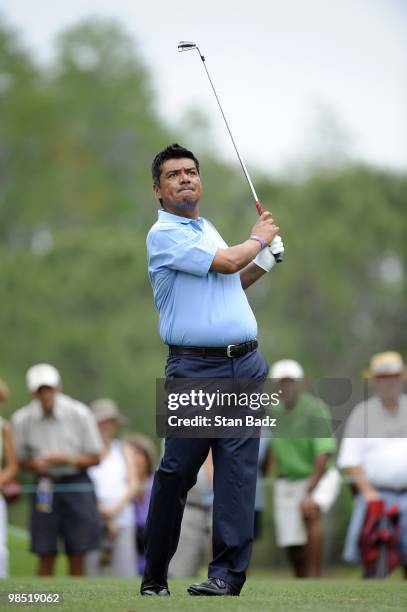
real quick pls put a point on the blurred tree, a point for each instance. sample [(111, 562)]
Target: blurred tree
[(78, 140), (76, 144), (19, 93), (341, 291)]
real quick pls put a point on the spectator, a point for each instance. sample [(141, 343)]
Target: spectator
[(115, 483), (144, 457), (57, 439), (8, 469), (374, 450), (194, 541), (306, 485), (263, 464)]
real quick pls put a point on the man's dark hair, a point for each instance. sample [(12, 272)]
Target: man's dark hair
[(173, 151)]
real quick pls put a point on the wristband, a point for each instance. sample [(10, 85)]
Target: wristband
[(260, 240)]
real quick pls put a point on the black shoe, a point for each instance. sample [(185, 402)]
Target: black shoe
[(212, 586), (152, 589)]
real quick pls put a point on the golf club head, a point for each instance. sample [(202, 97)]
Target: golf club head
[(185, 45)]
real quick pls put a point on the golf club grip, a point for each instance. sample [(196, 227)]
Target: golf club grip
[(259, 207), (278, 256)]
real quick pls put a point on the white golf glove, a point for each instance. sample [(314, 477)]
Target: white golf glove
[(265, 258)]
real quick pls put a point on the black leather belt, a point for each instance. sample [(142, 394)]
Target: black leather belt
[(232, 350)]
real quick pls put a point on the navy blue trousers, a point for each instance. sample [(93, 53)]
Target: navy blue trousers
[(235, 473)]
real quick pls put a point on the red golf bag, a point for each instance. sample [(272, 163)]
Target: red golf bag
[(379, 540)]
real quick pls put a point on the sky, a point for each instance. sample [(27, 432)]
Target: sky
[(296, 78)]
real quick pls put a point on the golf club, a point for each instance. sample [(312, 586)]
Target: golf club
[(185, 45)]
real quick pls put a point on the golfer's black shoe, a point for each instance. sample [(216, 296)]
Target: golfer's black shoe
[(212, 586), (151, 589)]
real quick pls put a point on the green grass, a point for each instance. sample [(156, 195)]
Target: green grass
[(266, 590), (258, 595), (21, 561)]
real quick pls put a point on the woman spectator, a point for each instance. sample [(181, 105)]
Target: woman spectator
[(145, 459), (115, 481), (8, 469)]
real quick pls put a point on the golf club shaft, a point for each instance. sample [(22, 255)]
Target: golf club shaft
[(256, 199), (186, 46)]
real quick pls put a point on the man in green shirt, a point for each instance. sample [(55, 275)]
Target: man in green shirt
[(306, 484)]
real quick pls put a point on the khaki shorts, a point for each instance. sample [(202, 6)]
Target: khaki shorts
[(194, 543), (287, 496)]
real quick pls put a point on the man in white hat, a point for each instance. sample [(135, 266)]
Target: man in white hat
[(374, 449), (57, 439), (306, 483)]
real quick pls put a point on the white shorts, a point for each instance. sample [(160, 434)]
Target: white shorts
[(287, 496)]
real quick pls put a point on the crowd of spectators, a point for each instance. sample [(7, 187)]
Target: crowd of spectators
[(92, 487)]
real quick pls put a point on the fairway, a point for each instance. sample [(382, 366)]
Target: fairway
[(280, 595)]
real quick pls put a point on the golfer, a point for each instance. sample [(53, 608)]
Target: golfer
[(205, 319)]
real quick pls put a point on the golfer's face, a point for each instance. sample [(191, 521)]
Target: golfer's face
[(179, 182)]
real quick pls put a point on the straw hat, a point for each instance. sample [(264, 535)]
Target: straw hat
[(389, 363)]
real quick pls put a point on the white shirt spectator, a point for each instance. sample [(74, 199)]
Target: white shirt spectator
[(375, 439), (111, 481)]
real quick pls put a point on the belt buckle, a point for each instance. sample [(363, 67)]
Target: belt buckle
[(229, 349)]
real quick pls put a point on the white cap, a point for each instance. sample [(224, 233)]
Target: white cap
[(41, 375), (286, 368)]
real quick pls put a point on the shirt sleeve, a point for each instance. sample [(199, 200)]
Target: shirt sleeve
[(353, 443), (91, 440), (324, 445), (351, 453), (17, 425), (181, 248), (319, 424)]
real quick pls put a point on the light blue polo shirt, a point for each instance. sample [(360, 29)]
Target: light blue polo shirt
[(196, 307)]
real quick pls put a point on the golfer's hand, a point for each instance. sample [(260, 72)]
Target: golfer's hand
[(309, 508), (265, 258), (277, 245), (265, 228)]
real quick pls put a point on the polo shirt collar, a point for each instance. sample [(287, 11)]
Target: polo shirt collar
[(164, 215)]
